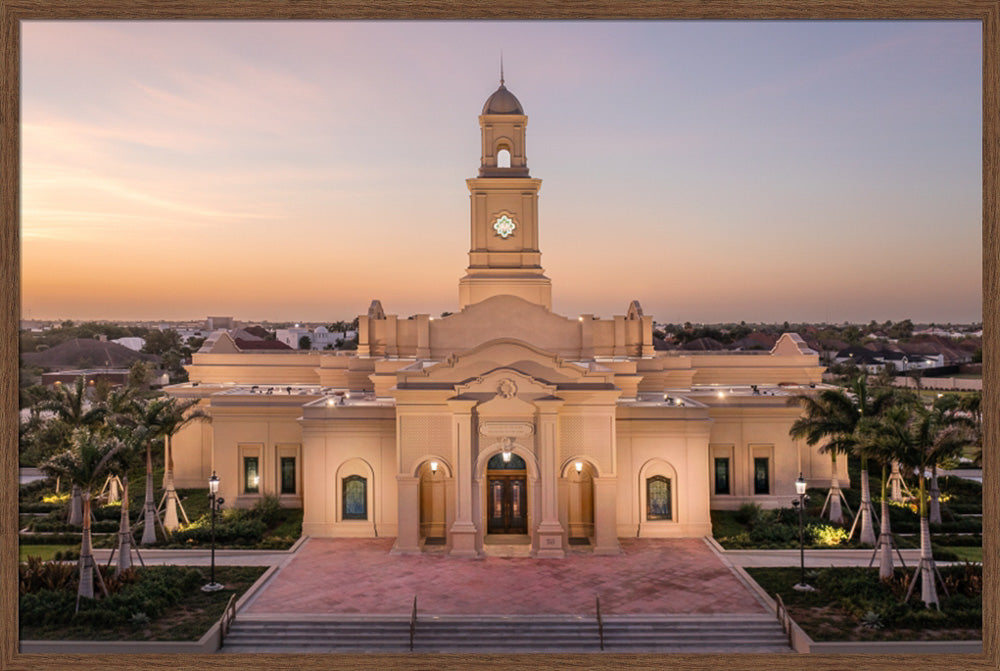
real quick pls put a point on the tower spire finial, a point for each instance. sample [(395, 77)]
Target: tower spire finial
[(501, 68)]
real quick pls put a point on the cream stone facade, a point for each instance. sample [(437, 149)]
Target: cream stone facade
[(503, 419)]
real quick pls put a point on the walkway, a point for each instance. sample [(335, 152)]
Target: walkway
[(359, 576)]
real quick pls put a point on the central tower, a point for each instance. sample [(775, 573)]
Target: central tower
[(503, 256)]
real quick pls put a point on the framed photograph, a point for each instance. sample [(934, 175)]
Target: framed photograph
[(516, 304)]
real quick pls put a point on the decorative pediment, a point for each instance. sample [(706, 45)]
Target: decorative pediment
[(504, 353)]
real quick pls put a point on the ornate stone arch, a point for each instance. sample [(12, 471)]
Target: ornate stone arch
[(416, 464), (354, 467), (564, 469), (653, 468)]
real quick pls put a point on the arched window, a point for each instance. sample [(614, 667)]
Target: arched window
[(658, 498), (503, 158), (355, 494)]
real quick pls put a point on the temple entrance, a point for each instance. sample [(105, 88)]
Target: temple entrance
[(506, 495)]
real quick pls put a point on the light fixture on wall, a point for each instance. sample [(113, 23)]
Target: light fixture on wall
[(506, 455), (579, 467), (434, 467)]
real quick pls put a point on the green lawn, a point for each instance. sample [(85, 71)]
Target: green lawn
[(44, 552), (966, 553)]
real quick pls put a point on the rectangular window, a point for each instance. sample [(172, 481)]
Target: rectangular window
[(761, 481), (721, 475), (658, 498), (288, 475), (355, 498), (251, 475)]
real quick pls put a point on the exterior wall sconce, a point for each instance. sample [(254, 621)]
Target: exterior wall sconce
[(721, 394), (434, 467), (506, 455), (579, 467)]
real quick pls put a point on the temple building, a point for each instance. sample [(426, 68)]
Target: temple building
[(504, 419)]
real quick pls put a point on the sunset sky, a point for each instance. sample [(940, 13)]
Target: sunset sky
[(716, 171)]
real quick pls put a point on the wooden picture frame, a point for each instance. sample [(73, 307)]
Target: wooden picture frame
[(14, 11)]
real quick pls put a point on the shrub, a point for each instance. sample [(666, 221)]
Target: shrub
[(267, 510), (748, 513), (35, 574), (826, 534)]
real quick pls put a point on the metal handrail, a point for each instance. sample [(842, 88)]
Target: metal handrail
[(784, 618), (228, 615), (600, 622), (413, 622)]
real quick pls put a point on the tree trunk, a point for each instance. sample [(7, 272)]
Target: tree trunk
[(867, 530), (170, 521), (928, 586), (149, 507), (935, 515), (86, 562), (885, 537), (836, 513), (75, 507), (124, 534), (897, 491)]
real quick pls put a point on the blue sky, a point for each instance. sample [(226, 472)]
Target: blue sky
[(716, 171)]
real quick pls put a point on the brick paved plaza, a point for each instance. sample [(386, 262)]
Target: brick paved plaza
[(359, 576)]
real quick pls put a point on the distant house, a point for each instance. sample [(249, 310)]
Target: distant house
[(87, 353)]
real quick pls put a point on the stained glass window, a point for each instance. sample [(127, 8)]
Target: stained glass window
[(761, 480), (288, 475), (722, 476), (658, 498), (251, 477), (355, 498)]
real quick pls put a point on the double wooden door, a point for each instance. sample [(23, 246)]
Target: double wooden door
[(507, 502)]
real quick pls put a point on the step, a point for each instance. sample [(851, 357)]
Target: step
[(750, 633)]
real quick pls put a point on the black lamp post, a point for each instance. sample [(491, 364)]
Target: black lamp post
[(800, 489), (215, 503)]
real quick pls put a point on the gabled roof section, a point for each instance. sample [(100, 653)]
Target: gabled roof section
[(505, 353), (791, 344)]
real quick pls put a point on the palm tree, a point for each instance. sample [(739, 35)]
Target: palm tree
[(827, 416), (72, 410), (919, 438), (123, 422), (946, 410), (89, 457), (150, 415), (174, 416), (882, 451)]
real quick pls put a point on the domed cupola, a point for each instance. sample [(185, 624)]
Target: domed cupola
[(502, 102)]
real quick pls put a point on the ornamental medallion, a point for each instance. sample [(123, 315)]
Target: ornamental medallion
[(504, 226)]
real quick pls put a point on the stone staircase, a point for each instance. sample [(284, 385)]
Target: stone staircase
[(507, 634)]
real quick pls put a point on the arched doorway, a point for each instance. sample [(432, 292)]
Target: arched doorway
[(579, 476), (506, 494), (433, 503)]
